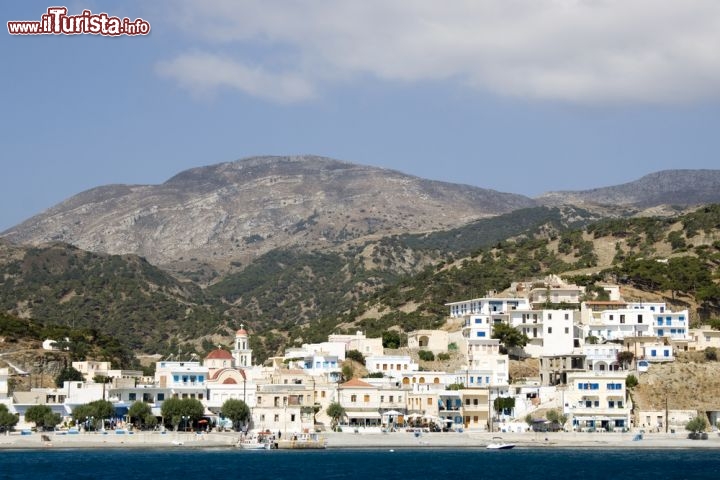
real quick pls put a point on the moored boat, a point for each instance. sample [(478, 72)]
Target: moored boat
[(499, 444), (256, 442)]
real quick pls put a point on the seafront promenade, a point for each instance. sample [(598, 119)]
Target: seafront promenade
[(363, 440)]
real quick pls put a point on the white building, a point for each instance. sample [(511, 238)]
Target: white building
[(597, 401), (435, 341), (619, 320), (4, 376), (361, 402), (393, 366), (486, 365), (704, 337), (550, 332), (329, 349), (182, 379), (602, 357), (364, 345)]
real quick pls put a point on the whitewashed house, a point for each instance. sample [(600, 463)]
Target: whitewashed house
[(393, 366), (550, 332), (597, 401)]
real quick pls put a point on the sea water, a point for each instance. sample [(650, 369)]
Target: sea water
[(401, 464)]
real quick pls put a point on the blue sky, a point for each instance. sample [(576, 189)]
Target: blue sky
[(521, 96)]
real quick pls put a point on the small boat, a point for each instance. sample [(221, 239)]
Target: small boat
[(256, 442), (302, 441), (499, 444)]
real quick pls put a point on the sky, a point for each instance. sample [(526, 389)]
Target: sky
[(520, 96)]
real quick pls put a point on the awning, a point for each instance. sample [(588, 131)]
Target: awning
[(392, 412), (362, 414)]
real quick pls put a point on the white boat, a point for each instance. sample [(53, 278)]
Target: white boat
[(256, 442), (499, 444)]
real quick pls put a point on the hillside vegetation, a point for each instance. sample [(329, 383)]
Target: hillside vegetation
[(401, 282)]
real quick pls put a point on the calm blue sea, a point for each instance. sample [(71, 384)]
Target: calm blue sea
[(401, 464)]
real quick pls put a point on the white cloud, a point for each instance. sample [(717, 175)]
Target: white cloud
[(204, 72), (586, 51)]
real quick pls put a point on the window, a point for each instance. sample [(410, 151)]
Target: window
[(366, 399), (611, 317), (653, 353), (277, 417), (567, 329), (549, 329), (480, 334), (292, 417), (429, 401), (161, 397), (639, 319), (353, 398), (262, 417), (549, 316), (132, 397), (622, 318)]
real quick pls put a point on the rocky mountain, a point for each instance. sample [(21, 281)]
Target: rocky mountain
[(232, 212), (669, 187)]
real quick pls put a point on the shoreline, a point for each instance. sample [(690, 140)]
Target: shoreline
[(370, 441)]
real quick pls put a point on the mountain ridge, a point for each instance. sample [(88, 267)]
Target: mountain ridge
[(235, 211), (684, 187)]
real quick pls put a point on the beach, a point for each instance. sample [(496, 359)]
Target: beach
[(349, 440)]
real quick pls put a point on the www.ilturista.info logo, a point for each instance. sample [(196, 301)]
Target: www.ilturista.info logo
[(57, 22)]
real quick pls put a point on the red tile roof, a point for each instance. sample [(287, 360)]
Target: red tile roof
[(355, 383)]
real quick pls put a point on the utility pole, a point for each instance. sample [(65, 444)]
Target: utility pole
[(667, 417)]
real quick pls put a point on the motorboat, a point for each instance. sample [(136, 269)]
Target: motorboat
[(256, 442), (499, 444)]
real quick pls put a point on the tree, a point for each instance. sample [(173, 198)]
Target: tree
[(556, 418), (51, 420), (68, 374), (138, 413), (7, 419), (237, 411), (335, 411), (82, 413), (102, 409), (711, 354), (347, 372), (697, 424), (426, 355), (625, 358), (37, 414), (509, 337), (631, 381), (390, 339), (529, 420), (185, 410), (355, 355), (504, 404)]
